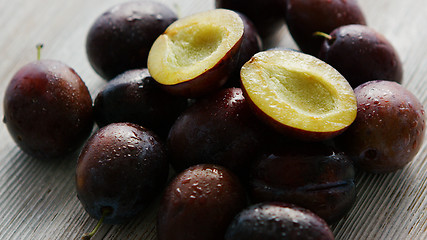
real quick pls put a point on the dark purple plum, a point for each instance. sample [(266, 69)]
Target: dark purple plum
[(120, 39), (48, 109), (251, 44), (199, 204), (219, 129), (305, 17), (120, 170), (134, 96), (268, 15), (278, 221), (312, 175), (361, 54), (389, 128)]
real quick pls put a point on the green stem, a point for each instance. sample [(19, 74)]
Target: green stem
[(39, 47), (322, 34), (105, 212)]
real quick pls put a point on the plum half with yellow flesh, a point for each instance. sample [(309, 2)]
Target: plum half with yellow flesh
[(197, 54), (298, 94)]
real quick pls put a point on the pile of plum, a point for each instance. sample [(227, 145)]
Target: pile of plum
[(262, 143)]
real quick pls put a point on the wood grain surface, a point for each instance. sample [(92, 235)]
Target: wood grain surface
[(38, 198)]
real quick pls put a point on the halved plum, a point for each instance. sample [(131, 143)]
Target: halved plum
[(298, 94), (197, 54)]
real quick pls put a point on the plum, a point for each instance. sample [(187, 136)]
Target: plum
[(199, 204), (389, 128), (267, 15), (196, 54), (219, 129), (120, 39), (120, 170), (134, 96), (48, 109), (305, 17), (315, 176), (277, 221), (298, 94), (361, 54), (251, 44)]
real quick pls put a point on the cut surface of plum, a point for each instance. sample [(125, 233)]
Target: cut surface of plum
[(298, 94), (200, 49)]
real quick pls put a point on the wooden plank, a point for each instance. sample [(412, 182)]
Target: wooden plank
[(38, 199)]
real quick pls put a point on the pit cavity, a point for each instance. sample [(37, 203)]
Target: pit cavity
[(193, 44), (301, 90)]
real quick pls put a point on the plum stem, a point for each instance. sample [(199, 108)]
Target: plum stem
[(322, 34), (105, 212), (39, 47)]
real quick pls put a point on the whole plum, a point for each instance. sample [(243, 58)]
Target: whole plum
[(389, 128), (251, 44), (277, 221), (268, 15), (219, 129), (134, 96), (119, 172), (361, 54), (305, 17), (199, 204), (48, 109), (312, 175), (120, 39)]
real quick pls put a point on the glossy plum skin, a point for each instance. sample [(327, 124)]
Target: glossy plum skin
[(251, 44), (312, 175), (305, 17), (120, 39), (121, 168), (389, 128), (277, 221), (134, 96), (361, 54), (48, 109), (199, 204), (267, 15), (219, 129)]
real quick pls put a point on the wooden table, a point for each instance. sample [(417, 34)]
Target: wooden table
[(38, 199)]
